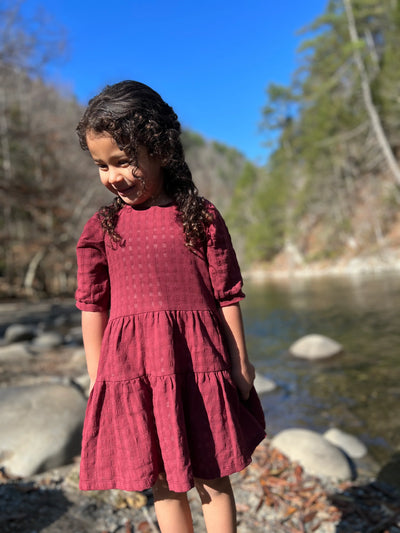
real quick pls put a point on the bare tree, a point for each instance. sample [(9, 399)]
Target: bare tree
[(367, 96)]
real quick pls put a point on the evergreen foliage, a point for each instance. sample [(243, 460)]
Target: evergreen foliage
[(328, 174)]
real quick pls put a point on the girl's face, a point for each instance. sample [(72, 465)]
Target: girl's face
[(137, 186)]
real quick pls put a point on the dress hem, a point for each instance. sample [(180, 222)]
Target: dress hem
[(148, 483)]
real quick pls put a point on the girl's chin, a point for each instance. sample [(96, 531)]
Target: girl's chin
[(134, 201)]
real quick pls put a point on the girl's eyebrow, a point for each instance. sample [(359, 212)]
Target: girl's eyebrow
[(116, 157)]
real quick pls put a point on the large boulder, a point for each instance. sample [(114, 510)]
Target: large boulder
[(47, 341), (314, 453), (263, 384), (315, 346), (19, 332), (18, 351), (40, 427), (352, 446)]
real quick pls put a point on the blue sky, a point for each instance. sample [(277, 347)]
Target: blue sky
[(210, 60)]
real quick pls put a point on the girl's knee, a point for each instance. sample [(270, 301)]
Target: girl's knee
[(210, 489), (161, 490)]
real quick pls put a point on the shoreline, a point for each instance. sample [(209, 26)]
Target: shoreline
[(355, 267)]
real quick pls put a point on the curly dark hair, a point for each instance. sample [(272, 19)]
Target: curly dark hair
[(135, 115)]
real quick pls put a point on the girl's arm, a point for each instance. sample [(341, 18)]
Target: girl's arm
[(243, 372), (93, 326)]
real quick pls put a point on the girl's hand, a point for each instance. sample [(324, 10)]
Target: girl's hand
[(92, 382), (243, 376)]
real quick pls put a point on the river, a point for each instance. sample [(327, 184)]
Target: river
[(357, 391)]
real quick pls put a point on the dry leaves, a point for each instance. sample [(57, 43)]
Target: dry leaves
[(301, 503)]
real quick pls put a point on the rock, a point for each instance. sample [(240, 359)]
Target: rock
[(314, 453), (41, 427), (19, 332), (352, 446), (263, 384), (47, 341), (74, 336), (78, 357), (83, 382), (315, 346), (14, 352), (390, 473)]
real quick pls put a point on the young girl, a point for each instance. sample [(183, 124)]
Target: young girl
[(172, 404)]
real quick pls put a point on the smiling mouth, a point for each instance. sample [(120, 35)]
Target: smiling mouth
[(126, 191)]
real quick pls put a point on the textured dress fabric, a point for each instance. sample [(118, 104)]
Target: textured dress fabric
[(164, 400)]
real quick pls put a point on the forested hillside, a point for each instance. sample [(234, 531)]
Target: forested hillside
[(49, 187), (332, 188)]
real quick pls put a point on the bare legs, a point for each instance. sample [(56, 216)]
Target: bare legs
[(173, 511), (218, 504)]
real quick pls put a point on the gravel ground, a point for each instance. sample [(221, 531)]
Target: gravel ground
[(272, 495)]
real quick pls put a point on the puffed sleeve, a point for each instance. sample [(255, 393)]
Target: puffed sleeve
[(93, 289), (223, 266)]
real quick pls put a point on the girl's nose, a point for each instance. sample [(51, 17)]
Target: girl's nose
[(114, 175)]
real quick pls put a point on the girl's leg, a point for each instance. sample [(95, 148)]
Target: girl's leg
[(218, 504), (172, 509)]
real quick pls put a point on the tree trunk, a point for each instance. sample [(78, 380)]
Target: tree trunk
[(366, 92), (32, 269)]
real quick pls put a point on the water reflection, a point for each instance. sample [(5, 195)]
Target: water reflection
[(358, 391)]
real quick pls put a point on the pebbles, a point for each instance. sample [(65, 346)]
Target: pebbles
[(273, 494)]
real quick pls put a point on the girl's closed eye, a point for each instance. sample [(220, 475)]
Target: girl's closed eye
[(123, 164)]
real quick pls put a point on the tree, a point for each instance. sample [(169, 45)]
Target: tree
[(367, 95), (335, 125)]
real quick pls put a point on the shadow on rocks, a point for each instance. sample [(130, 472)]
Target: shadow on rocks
[(372, 507), (27, 508)]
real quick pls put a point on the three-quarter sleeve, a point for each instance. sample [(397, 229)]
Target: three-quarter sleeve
[(93, 289), (223, 266)]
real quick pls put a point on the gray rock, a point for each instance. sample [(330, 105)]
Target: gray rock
[(74, 336), (263, 384), (315, 346), (47, 341), (78, 357), (14, 352), (41, 427), (352, 446), (314, 453), (19, 332), (83, 382)]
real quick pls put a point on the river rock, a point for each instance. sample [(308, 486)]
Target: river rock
[(74, 336), (19, 332), (315, 346), (263, 384), (314, 453), (47, 341), (40, 427), (14, 352), (352, 446)]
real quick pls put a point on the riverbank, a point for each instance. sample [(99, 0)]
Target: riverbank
[(288, 266), (272, 494)]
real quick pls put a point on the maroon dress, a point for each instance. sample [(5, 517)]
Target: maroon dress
[(164, 399)]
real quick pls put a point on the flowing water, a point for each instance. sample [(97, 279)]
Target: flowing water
[(357, 391)]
